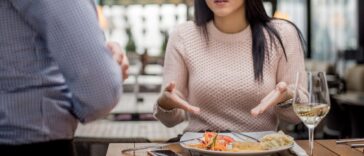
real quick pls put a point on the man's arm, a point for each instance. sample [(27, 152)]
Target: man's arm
[(75, 41)]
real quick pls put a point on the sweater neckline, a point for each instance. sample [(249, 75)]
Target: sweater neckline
[(218, 35)]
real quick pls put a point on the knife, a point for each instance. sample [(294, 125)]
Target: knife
[(157, 146), (357, 145), (350, 140)]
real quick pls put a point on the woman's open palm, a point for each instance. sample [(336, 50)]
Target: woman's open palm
[(280, 94), (171, 98)]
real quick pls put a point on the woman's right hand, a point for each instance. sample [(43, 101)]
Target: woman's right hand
[(171, 98)]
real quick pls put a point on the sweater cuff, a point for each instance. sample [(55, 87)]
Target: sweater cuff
[(288, 115), (169, 118), (160, 109)]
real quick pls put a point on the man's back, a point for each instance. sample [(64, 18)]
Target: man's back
[(54, 70)]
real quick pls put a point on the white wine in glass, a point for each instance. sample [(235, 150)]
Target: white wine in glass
[(311, 101)]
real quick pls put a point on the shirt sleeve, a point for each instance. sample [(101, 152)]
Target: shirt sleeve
[(174, 70), (288, 68), (76, 43)]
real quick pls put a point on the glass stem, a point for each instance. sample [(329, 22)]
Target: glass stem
[(311, 136)]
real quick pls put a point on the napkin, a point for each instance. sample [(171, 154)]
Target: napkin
[(298, 150)]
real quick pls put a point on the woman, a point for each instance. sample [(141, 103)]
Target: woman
[(229, 68)]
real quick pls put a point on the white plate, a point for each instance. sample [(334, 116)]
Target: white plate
[(192, 135)]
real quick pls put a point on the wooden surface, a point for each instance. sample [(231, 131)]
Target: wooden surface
[(342, 149), (322, 148)]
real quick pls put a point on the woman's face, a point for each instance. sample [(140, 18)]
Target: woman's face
[(223, 8)]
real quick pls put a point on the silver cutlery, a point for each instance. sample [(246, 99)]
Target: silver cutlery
[(240, 135), (349, 140), (157, 146), (357, 145)]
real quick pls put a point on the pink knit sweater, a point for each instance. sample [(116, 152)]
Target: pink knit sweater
[(218, 77)]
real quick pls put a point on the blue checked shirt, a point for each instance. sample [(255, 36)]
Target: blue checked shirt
[(55, 69)]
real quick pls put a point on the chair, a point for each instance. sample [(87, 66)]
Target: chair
[(348, 108), (355, 79), (355, 99)]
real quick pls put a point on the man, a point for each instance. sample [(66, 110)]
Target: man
[(55, 70)]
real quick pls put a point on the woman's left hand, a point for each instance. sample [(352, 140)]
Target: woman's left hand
[(280, 94)]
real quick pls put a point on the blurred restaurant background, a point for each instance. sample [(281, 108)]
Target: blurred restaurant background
[(333, 29)]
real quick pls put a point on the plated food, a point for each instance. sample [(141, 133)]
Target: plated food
[(276, 140), (212, 141)]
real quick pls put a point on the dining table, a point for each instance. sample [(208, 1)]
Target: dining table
[(321, 148)]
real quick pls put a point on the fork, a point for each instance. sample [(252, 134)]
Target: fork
[(240, 135), (157, 146)]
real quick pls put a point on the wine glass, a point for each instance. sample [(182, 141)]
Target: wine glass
[(311, 101)]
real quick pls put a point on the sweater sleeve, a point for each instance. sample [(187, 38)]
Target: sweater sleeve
[(288, 68), (174, 70)]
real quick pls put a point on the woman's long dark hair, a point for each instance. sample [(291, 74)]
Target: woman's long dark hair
[(259, 21)]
